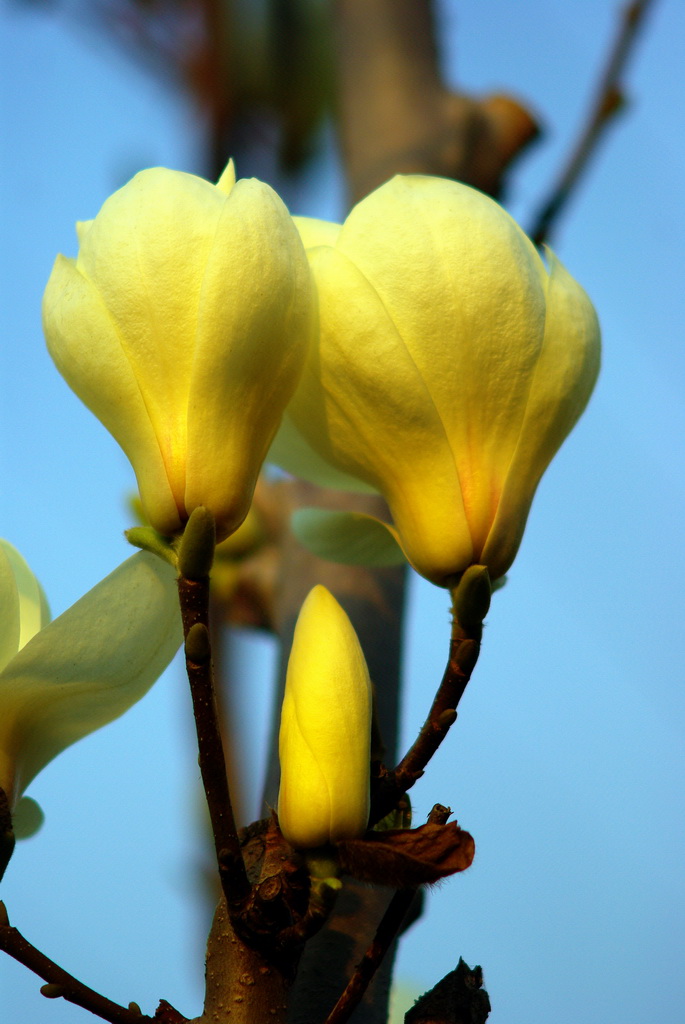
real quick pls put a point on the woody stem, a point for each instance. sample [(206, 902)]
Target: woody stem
[(194, 600), (464, 651)]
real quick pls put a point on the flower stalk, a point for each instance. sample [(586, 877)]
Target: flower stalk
[(194, 602), (470, 603)]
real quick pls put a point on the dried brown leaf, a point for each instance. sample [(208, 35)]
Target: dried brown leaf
[(405, 858)]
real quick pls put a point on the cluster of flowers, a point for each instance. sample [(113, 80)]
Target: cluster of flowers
[(422, 350)]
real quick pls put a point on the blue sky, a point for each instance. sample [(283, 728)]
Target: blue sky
[(567, 760)]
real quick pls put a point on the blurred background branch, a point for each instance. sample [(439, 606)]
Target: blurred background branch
[(610, 100)]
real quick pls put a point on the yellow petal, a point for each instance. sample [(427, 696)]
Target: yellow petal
[(465, 289), (440, 332), (256, 319), (316, 232), (87, 667), (82, 229), (10, 621), (227, 179), (34, 612), (197, 302), (363, 404), (324, 741), (89, 352), (146, 254), (561, 386)]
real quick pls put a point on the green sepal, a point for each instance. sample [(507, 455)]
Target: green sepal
[(198, 543), (348, 538), (147, 539), (471, 597), (323, 879), (322, 865)]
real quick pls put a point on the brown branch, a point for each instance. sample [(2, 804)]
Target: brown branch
[(387, 932), (388, 928), (194, 601), (242, 985), (609, 100), (61, 983), (464, 651), (397, 116)]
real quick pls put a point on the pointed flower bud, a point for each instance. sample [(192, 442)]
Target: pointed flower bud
[(61, 680), (450, 367), (183, 325), (324, 742)]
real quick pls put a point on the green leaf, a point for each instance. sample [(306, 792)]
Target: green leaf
[(347, 537)]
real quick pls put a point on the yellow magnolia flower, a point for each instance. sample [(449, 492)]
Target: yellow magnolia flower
[(183, 325), (61, 680), (450, 367), (325, 736)]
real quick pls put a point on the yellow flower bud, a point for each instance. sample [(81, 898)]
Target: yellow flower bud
[(451, 365), (183, 325), (61, 680), (325, 736)]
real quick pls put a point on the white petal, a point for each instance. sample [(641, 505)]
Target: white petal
[(87, 667)]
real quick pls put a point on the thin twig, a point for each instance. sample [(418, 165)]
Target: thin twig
[(390, 925), (608, 101), (464, 651), (194, 600), (322, 899), (13, 943), (387, 931)]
